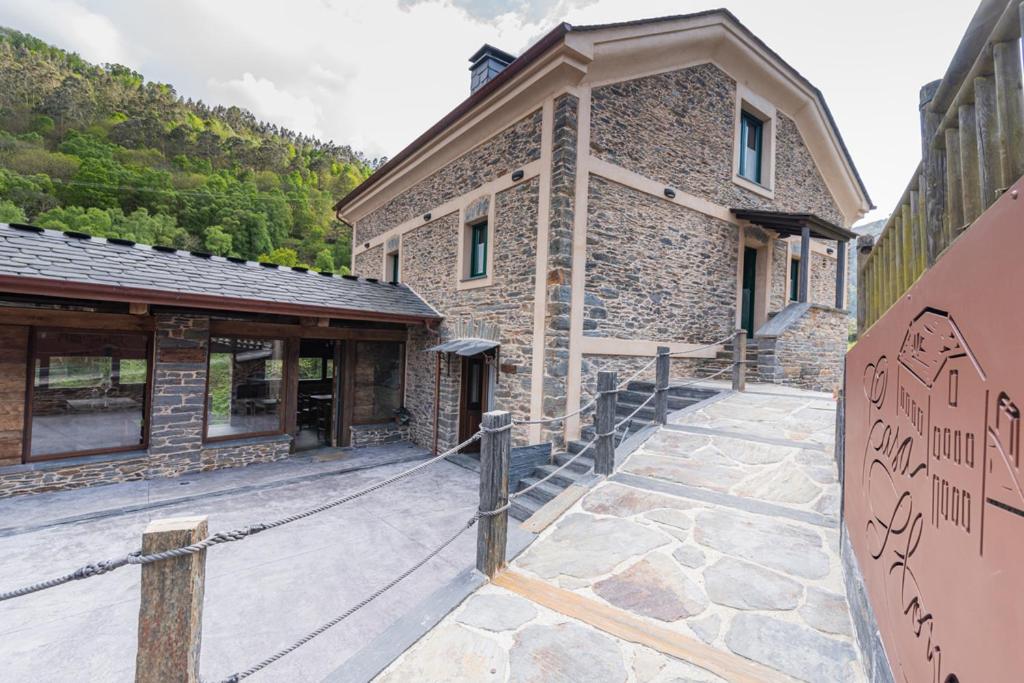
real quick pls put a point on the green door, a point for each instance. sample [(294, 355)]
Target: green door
[(749, 277)]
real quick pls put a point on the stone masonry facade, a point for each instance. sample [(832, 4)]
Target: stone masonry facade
[(515, 146), (634, 122), (809, 353)]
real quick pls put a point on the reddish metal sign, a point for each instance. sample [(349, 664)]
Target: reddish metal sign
[(934, 484)]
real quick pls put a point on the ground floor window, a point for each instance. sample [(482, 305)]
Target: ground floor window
[(89, 392), (245, 387), (377, 385), (794, 279)]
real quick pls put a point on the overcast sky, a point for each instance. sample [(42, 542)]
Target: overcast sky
[(374, 74)]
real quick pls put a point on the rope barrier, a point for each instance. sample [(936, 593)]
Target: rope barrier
[(105, 566), (238, 676)]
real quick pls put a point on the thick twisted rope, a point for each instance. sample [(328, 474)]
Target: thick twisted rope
[(235, 677), (98, 568)]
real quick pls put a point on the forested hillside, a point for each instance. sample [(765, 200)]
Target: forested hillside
[(98, 149)]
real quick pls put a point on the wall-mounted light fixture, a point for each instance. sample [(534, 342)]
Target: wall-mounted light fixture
[(517, 175), (670, 193), (830, 251), (426, 216)]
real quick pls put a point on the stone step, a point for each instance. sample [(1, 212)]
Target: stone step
[(563, 479), (696, 393), (544, 491), (637, 397), (646, 413), (524, 507), (582, 464)]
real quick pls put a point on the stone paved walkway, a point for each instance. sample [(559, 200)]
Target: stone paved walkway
[(721, 529)]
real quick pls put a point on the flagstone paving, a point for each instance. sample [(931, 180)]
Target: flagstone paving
[(724, 533)]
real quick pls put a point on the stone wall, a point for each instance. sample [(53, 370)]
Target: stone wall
[(368, 263), (656, 270), (823, 277), (429, 266), (780, 276), (378, 434), (679, 128), (808, 352), (515, 146)]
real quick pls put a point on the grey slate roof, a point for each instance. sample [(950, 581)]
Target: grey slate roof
[(77, 259)]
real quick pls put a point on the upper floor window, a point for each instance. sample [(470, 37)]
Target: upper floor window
[(393, 262), (478, 250), (751, 147)]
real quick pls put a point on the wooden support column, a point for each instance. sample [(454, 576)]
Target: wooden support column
[(933, 173), (661, 385), (739, 359), (805, 264), (990, 163), (954, 190), (840, 273), (909, 253), (492, 531), (970, 172), (1010, 107), (171, 606), (604, 422)]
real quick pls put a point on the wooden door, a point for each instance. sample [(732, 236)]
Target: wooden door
[(473, 399)]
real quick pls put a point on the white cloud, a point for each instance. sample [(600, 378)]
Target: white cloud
[(69, 24), (271, 103)]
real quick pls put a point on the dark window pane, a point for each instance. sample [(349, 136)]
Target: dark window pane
[(478, 250), (89, 392), (750, 147), (794, 279), (246, 386), (378, 381)]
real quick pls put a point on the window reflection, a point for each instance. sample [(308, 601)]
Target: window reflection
[(89, 391), (246, 386), (378, 381)]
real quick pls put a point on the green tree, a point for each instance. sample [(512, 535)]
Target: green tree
[(217, 241), (282, 256), (11, 212), (325, 261)]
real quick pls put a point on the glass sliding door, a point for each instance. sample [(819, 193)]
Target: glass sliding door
[(245, 390)]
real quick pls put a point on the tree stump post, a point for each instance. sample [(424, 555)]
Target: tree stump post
[(604, 422), (171, 608), (492, 531)]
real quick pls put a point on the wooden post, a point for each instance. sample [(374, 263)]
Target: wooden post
[(604, 422), (864, 277), (990, 163), (492, 534), (970, 172), (805, 265), (954, 190), (171, 607), (897, 241), (1010, 105), (933, 172), (840, 273), (739, 358), (918, 222), (661, 385), (909, 257)]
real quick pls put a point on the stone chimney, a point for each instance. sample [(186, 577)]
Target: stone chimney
[(485, 64)]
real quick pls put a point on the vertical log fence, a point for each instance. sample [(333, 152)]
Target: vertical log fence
[(972, 150)]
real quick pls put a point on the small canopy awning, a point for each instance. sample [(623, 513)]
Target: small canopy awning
[(465, 346), (793, 223)]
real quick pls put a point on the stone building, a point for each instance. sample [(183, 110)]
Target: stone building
[(613, 189)]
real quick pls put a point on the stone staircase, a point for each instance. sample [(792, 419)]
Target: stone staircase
[(628, 400), (723, 360)]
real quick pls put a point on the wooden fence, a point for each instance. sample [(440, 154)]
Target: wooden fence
[(972, 150)]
